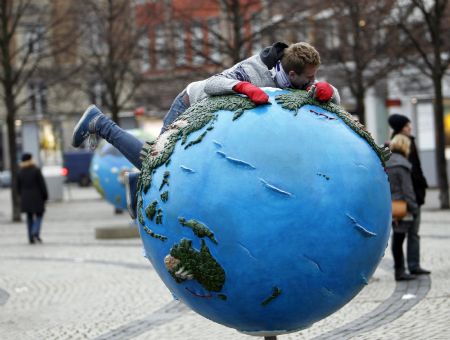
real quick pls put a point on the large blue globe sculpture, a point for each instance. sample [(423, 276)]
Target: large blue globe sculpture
[(107, 170), (265, 219)]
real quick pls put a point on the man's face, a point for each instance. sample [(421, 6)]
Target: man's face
[(407, 130), (305, 79)]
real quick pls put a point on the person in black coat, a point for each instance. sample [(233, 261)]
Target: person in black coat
[(33, 195), (402, 125)]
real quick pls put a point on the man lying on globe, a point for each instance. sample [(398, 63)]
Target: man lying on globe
[(281, 66)]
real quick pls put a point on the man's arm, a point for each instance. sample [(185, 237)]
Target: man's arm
[(241, 78), (220, 84), (254, 93), (324, 92), (224, 82)]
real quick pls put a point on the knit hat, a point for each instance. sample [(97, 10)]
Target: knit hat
[(26, 156), (397, 122)]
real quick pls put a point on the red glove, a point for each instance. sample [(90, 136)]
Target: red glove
[(254, 93), (321, 91)]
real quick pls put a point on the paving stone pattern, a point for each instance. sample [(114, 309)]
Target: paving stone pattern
[(76, 287)]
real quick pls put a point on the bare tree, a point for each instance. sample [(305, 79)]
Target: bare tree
[(26, 29), (361, 39), (112, 50), (427, 25), (228, 36), (221, 33)]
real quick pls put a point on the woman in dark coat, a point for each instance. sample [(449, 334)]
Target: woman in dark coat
[(33, 194), (399, 171)]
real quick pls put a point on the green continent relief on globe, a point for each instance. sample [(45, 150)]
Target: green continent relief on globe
[(184, 262)]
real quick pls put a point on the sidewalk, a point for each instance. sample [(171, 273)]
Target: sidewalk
[(76, 287)]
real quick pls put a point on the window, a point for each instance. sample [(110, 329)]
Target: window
[(139, 2), (332, 34), (94, 37), (34, 38), (197, 44), (180, 45), (213, 39), (256, 27), (302, 32), (37, 97), (162, 61), (97, 93), (144, 44)]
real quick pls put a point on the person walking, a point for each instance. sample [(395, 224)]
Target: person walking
[(402, 125), (33, 195), (399, 172)]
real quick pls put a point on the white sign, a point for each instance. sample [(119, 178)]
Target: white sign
[(425, 126)]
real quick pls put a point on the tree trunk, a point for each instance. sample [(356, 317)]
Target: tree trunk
[(10, 104), (360, 109), (11, 124), (237, 29), (114, 107), (441, 162), (115, 114)]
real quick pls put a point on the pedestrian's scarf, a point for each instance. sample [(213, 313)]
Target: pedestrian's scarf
[(281, 78)]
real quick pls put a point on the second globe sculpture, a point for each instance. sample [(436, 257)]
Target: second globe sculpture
[(265, 219), (107, 170)]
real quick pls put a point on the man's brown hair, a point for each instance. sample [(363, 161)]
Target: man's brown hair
[(298, 55)]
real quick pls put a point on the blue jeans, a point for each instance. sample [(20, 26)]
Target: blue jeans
[(123, 141), (129, 145), (34, 222), (179, 105)]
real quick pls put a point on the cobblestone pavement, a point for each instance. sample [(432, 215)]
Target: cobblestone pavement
[(76, 287)]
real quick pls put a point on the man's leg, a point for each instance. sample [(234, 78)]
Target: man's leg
[(179, 105), (37, 226), (94, 123)]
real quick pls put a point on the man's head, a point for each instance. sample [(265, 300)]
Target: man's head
[(400, 124), (301, 61), (26, 156)]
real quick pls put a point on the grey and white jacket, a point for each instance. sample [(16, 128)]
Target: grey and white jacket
[(258, 70), (399, 173)]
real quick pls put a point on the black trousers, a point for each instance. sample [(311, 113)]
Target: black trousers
[(397, 252)]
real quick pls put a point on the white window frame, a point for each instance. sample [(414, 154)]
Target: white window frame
[(162, 60), (198, 57), (213, 41), (180, 44)]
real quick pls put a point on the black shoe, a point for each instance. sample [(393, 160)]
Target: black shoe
[(420, 271), (31, 241), (37, 238), (404, 277)]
